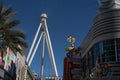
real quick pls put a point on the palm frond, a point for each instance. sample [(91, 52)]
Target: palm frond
[(7, 11), (6, 14), (16, 33), (12, 37), (12, 24)]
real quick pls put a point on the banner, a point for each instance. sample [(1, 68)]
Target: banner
[(9, 60)]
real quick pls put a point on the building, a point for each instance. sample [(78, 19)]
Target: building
[(7, 64), (14, 67), (66, 69), (23, 71), (72, 66), (101, 46)]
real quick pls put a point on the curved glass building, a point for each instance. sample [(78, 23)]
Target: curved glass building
[(101, 46)]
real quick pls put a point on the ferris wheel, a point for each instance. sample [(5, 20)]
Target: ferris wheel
[(45, 38)]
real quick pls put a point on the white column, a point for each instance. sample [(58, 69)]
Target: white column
[(42, 57)]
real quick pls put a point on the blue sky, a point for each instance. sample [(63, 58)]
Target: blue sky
[(65, 17)]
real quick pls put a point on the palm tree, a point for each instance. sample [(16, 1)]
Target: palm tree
[(12, 38)]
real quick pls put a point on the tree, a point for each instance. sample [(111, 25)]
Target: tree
[(12, 38)]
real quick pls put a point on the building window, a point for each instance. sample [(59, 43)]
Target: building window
[(108, 53), (84, 64), (118, 48), (97, 53), (91, 59)]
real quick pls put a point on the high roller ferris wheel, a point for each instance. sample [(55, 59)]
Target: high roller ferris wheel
[(45, 38)]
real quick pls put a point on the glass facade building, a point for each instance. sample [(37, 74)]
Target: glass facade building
[(102, 52), (101, 46)]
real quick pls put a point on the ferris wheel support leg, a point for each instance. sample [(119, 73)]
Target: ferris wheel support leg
[(35, 49), (50, 50), (42, 57), (33, 43)]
